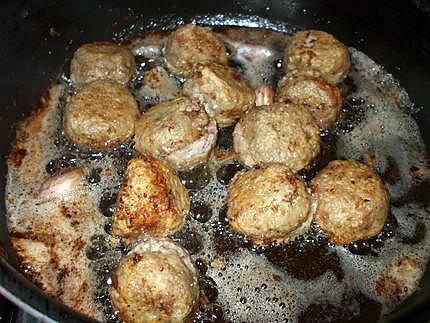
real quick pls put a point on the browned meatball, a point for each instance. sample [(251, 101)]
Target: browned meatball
[(159, 86), (152, 200), (225, 94), (178, 131), (155, 282), (102, 60), (317, 51), (101, 115), (191, 44), (278, 133), (268, 204), (352, 201), (323, 99)]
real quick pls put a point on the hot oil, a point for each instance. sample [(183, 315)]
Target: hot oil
[(308, 277)]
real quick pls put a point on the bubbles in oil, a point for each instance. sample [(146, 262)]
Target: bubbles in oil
[(307, 278), (196, 178), (226, 172)]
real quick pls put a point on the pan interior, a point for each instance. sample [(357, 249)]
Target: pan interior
[(308, 277)]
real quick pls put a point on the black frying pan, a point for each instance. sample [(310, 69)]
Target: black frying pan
[(393, 33)]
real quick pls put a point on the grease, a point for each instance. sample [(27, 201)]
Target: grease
[(303, 280)]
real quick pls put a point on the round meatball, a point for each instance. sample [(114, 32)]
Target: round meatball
[(323, 99), (225, 94), (152, 200), (102, 60), (280, 133), (317, 51), (191, 44), (352, 202), (101, 115), (178, 131), (268, 204), (155, 282)]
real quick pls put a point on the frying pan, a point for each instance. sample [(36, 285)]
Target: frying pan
[(37, 36)]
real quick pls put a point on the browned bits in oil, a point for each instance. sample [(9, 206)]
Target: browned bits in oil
[(355, 307), (419, 194)]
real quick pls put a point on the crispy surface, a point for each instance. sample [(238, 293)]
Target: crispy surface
[(278, 133), (102, 61), (268, 204), (155, 282), (317, 51), (191, 44), (152, 200), (225, 94), (352, 201), (171, 127), (323, 99), (101, 115)]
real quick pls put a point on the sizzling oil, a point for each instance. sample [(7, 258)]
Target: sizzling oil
[(305, 280)]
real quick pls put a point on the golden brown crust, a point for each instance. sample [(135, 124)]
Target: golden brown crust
[(317, 51), (101, 115), (268, 204), (190, 45), (277, 133), (102, 61), (155, 282), (152, 200), (352, 202), (225, 94), (323, 99)]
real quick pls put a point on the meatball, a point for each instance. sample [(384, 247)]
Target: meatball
[(101, 115), (152, 200), (317, 51), (191, 44), (352, 202), (281, 133), (159, 86), (102, 60), (178, 131), (323, 99), (155, 282), (268, 204), (225, 94)]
